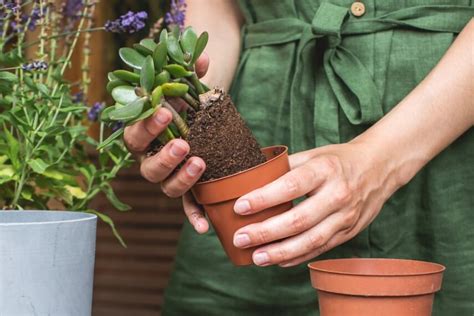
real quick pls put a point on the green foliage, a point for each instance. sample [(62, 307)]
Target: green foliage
[(45, 148), (160, 69)]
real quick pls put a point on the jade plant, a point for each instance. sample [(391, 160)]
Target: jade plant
[(157, 71)]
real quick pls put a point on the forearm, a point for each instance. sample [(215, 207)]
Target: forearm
[(431, 117), (223, 20)]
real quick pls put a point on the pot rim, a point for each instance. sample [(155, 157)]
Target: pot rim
[(81, 217), (439, 268), (285, 150)]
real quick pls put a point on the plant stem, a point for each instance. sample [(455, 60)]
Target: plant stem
[(95, 29), (191, 101), (197, 84), (178, 120)]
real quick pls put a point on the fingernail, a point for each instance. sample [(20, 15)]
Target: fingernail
[(241, 240), (261, 258), (242, 207), (193, 169), (177, 151), (162, 118)]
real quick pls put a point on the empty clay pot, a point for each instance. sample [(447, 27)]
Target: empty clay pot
[(218, 198), (369, 287)]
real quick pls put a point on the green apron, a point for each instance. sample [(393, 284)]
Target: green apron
[(313, 74)]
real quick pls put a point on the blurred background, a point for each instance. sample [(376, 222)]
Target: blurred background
[(130, 281)]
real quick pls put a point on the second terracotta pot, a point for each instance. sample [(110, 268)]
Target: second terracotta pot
[(372, 287), (218, 198)]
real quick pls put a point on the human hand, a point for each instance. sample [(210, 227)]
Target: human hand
[(160, 167), (346, 188)]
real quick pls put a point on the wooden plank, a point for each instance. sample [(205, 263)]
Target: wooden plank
[(122, 298), (113, 310)]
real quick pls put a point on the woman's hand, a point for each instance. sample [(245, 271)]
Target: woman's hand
[(160, 167), (346, 190)]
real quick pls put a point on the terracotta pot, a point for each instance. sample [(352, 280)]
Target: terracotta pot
[(389, 287), (218, 198)]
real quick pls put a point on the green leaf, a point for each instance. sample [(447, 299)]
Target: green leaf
[(114, 84), (156, 96), (142, 50), (188, 40), (110, 139), (147, 76), (109, 221), (43, 89), (105, 114), (175, 89), (109, 192), (164, 36), (13, 149), (38, 165), (131, 57), (174, 50), (162, 77), (143, 116), (111, 76), (148, 43), (126, 75), (8, 76), (129, 112), (178, 71), (124, 94), (160, 55), (200, 46), (76, 192)]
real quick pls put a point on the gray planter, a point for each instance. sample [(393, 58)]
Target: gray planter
[(46, 263)]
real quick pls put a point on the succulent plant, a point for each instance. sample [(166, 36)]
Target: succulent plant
[(157, 71)]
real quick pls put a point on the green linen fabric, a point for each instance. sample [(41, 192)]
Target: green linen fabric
[(312, 74)]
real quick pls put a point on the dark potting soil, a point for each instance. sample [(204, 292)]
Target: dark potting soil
[(219, 135)]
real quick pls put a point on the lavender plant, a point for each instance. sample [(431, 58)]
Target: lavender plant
[(44, 144)]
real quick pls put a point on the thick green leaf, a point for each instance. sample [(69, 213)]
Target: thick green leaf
[(188, 40), (160, 55), (178, 71), (164, 36), (175, 89), (126, 75), (148, 43), (131, 57), (124, 94), (142, 50), (8, 76), (156, 96), (109, 192), (162, 77), (38, 165), (76, 192), (200, 46), (111, 76), (114, 84), (128, 112), (147, 76), (109, 221), (105, 114), (143, 116), (174, 50)]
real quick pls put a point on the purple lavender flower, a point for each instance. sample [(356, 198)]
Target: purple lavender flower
[(94, 111), (72, 7), (78, 97), (177, 14), (118, 125), (35, 66), (127, 23)]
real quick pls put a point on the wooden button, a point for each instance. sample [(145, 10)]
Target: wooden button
[(358, 9)]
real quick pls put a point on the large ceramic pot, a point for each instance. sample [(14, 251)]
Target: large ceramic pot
[(372, 287), (46, 262), (219, 196)]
